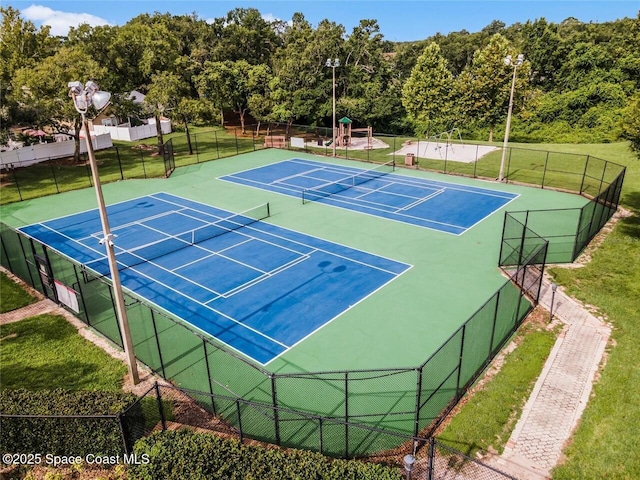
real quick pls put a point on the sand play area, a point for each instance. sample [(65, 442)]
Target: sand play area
[(456, 152)]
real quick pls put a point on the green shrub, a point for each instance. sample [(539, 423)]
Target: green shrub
[(65, 436), (185, 454)]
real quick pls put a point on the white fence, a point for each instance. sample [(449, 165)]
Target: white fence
[(131, 134), (25, 156)]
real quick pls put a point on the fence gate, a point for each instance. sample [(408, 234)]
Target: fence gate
[(46, 277)]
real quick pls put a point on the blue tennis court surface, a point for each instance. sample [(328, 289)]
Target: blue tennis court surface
[(442, 206), (256, 287)]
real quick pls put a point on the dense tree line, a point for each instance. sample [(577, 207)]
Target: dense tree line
[(579, 82)]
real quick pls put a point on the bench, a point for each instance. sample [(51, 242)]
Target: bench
[(275, 141)]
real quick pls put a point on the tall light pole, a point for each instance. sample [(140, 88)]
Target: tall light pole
[(83, 97), (508, 62), (333, 65)]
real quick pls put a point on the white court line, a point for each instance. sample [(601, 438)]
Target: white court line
[(422, 200), (255, 281), (197, 302)]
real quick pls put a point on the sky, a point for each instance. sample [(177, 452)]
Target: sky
[(403, 20)]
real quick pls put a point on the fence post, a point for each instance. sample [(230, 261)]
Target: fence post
[(15, 180), (320, 434), (3, 244), (28, 264), (346, 414), (416, 427), (495, 320), (123, 434), (504, 230), (544, 172), (206, 362), (53, 174), (464, 329), (524, 236), (82, 300), (163, 420), (119, 163), (432, 454), (155, 334), (235, 135), (584, 174), (215, 136), (239, 418), (274, 400)]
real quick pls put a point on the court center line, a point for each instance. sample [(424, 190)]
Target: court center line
[(262, 278)]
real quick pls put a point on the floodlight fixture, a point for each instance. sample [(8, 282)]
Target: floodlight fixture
[(86, 95)]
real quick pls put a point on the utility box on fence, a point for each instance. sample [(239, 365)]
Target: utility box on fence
[(410, 159)]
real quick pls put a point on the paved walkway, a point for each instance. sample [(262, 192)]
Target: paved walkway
[(561, 392), (556, 403), (38, 308)]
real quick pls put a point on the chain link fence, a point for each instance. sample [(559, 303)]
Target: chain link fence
[(408, 400), (576, 173)]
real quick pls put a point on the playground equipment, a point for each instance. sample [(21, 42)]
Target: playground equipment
[(447, 144), (343, 138)]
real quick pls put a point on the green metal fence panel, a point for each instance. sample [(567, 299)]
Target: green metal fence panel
[(100, 309), (477, 341)]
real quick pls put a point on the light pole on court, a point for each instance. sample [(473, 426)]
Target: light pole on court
[(333, 65), (508, 61), (83, 97)]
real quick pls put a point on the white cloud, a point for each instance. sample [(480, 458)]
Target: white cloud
[(60, 21), (270, 17)]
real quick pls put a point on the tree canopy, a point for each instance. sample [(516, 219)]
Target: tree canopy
[(578, 82)]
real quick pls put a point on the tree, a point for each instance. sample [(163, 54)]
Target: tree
[(631, 124), (45, 87), (545, 51), (21, 46), (244, 34), (484, 87), (164, 94), (427, 94), (370, 89), (301, 87), (259, 95), (215, 84)]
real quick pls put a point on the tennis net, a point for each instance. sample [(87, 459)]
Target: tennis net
[(331, 188), (153, 250)]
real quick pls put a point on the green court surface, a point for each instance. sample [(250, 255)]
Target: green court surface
[(400, 325)]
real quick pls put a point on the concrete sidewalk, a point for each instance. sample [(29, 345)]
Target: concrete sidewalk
[(561, 392)]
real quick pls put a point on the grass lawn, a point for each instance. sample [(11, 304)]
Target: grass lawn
[(46, 352), (606, 442), (13, 296), (484, 423)]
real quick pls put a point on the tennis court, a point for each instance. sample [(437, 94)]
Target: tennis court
[(380, 192), (259, 288)]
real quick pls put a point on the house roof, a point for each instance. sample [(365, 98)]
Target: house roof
[(136, 97)]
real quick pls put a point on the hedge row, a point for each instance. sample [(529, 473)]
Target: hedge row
[(65, 436), (184, 454)]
